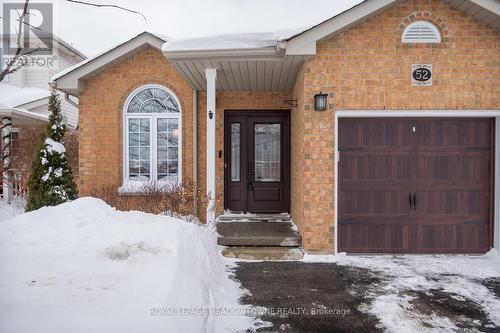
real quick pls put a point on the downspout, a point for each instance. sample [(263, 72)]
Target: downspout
[(69, 100), (195, 153)]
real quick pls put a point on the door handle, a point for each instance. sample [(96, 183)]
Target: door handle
[(250, 186), (413, 200)]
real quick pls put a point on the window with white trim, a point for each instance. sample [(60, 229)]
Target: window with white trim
[(421, 32), (152, 141)]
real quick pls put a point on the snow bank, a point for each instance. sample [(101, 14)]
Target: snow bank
[(85, 267), (9, 210)]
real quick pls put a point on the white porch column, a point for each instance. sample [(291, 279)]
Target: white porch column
[(211, 74), (6, 144)]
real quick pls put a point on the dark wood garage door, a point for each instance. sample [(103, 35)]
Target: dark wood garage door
[(415, 185)]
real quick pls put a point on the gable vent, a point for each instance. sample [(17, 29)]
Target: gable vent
[(421, 32)]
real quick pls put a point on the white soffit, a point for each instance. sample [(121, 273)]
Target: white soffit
[(487, 11), (245, 74)]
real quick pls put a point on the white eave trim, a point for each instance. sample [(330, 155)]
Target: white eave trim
[(223, 54), (69, 81), (491, 5), (305, 43), (24, 114)]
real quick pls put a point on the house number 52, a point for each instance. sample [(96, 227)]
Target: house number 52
[(421, 75)]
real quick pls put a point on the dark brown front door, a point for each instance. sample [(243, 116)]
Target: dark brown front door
[(415, 185), (257, 161)]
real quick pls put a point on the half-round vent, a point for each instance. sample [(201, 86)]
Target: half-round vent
[(421, 32)]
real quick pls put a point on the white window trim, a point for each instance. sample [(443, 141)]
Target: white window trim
[(153, 138), (431, 25)]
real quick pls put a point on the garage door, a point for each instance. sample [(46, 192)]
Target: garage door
[(415, 185)]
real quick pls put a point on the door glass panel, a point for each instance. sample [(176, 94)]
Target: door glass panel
[(267, 165), (235, 152)]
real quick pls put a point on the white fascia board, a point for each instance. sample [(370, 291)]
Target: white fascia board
[(70, 80), (33, 104), (491, 5), (226, 54), (302, 44), (23, 114)]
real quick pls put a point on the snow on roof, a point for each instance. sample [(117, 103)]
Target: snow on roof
[(100, 54), (229, 41), (12, 96)]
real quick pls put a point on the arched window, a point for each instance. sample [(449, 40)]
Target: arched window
[(152, 136), (421, 32)]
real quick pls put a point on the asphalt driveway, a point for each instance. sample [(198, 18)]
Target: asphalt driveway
[(392, 294)]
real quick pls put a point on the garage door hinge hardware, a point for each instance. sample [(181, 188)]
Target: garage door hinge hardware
[(476, 222), (350, 148)]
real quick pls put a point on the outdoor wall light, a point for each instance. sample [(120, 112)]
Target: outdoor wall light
[(320, 101), (210, 114)]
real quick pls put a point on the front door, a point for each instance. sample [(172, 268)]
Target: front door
[(257, 161)]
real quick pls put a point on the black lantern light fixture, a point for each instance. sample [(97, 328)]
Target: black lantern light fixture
[(210, 114), (320, 101)]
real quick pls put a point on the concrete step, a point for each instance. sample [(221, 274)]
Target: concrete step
[(284, 217), (263, 253), (268, 234)]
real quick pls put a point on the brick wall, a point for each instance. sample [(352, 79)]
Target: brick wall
[(101, 117), (367, 67)]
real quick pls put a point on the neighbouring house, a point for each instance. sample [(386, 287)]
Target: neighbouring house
[(24, 97), (377, 130)]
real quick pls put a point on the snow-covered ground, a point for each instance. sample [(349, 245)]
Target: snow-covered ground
[(395, 301), (9, 210), (85, 267)]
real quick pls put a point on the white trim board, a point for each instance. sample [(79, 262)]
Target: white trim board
[(422, 114)]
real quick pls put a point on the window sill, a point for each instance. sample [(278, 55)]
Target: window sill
[(136, 187)]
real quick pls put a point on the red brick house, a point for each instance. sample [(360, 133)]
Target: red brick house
[(377, 130)]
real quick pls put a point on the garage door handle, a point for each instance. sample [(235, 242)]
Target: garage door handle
[(410, 200)]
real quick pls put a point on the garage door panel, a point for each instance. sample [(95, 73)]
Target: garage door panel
[(454, 132), (457, 203), (376, 133), (374, 237), (452, 167), (373, 167), (434, 238), (368, 203)]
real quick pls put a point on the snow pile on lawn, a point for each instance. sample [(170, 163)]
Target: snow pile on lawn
[(9, 210), (85, 267), (458, 276)]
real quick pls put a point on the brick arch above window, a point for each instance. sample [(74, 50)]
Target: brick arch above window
[(437, 21)]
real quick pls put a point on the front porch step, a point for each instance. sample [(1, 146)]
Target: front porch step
[(263, 253), (284, 217), (269, 234)]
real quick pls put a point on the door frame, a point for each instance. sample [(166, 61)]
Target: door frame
[(259, 113), (425, 114)]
